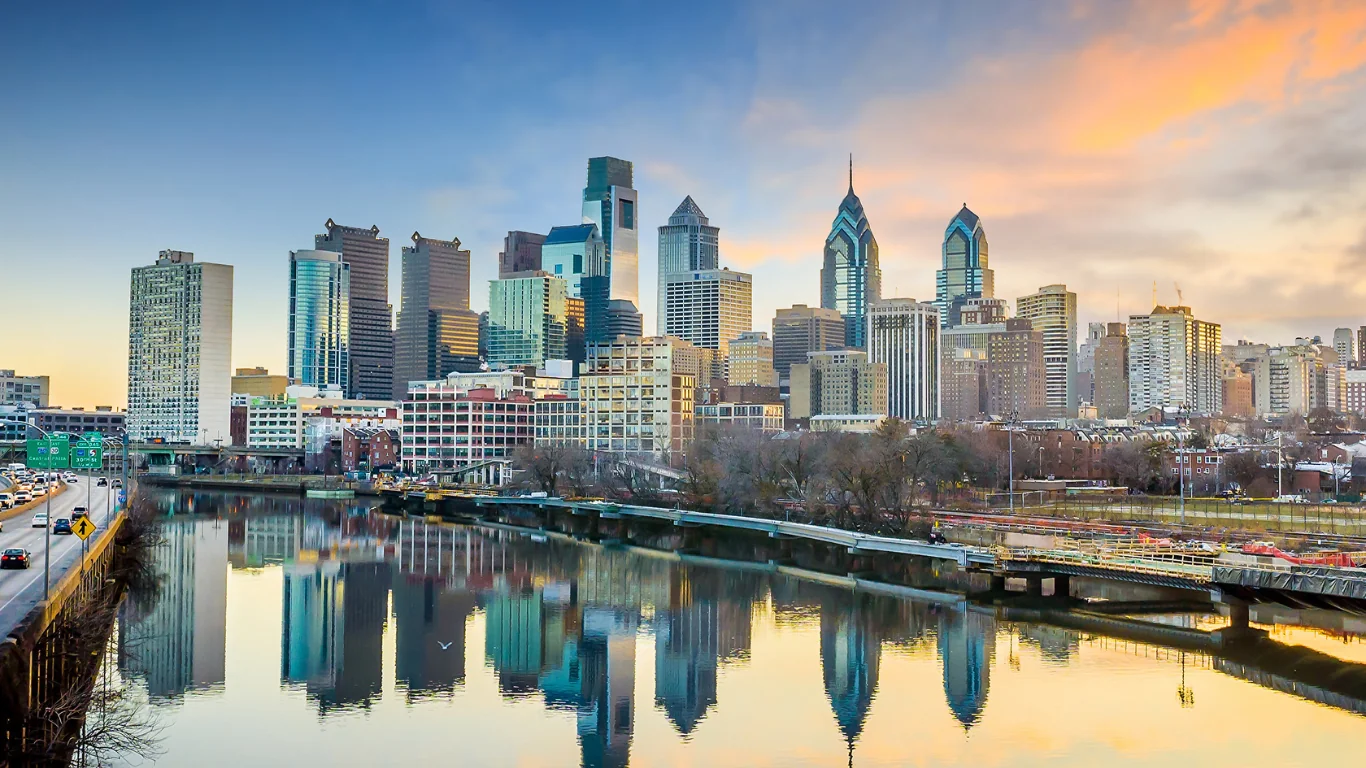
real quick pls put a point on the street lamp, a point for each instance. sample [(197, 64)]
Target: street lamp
[(1010, 458)]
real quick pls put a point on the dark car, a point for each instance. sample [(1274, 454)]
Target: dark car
[(118, 483), (78, 512), (101, 483), (63, 525), (15, 558)]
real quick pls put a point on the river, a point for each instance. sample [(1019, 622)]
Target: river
[(292, 632)]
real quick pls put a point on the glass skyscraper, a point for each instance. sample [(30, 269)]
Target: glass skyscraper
[(610, 202), (319, 318), (573, 253), (965, 274), (528, 319), (851, 277), (688, 243)]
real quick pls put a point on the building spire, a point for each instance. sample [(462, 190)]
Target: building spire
[(851, 173)]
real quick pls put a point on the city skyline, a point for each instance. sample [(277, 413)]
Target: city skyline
[(1212, 181)]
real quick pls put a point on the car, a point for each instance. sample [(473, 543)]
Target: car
[(40, 520), (78, 512), (102, 482), (15, 558), (118, 483), (62, 526), (39, 491), (70, 478), (22, 496), (7, 500)]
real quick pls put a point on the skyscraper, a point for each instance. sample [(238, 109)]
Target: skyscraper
[(802, 329), (180, 351), (573, 253), (1086, 363), (319, 310), (528, 319), (904, 334), (850, 276), (1344, 346), (686, 244), (610, 202), (709, 307), (1053, 311), (965, 274), (436, 329), (521, 253), (1174, 362), (1112, 373), (371, 325), (1015, 371)]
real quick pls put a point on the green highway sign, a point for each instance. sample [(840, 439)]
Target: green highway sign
[(87, 456), (49, 453)]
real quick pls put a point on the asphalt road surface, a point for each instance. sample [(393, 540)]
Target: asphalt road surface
[(21, 590)]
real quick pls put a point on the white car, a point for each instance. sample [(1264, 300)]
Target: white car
[(39, 491), (7, 500), (22, 496), (70, 478), (40, 520)]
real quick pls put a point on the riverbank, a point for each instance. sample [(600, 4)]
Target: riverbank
[(297, 485)]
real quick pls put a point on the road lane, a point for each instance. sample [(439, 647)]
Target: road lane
[(21, 590)]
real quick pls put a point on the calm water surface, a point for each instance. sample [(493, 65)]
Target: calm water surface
[(317, 633)]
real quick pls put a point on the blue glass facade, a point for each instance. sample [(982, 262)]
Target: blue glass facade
[(965, 274), (319, 318), (851, 276)]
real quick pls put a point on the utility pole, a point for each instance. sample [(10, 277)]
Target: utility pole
[(1010, 458), (1280, 465)]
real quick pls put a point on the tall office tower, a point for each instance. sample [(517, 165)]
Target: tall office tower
[(1344, 345), (802, 329), (528, 319), (623, 319), (1174, 362), (436, 328), (965, 274), (575, 348), (751, 361), (904, 334), (850, 276), (688, 243), (371, 325), (319, 309), (709, 307), (1112, 373), (1053, 310), (521, 253), (180, 351), (1086, 363), (610, 202), (1015, 372), (595, 291), (573, 253), (840, 382), (23, 389)]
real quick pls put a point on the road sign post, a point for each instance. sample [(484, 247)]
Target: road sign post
[(48, 453)]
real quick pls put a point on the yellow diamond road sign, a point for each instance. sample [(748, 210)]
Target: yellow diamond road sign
[(83, 527)]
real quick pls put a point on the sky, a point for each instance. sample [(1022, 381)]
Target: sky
[(1214, 150)]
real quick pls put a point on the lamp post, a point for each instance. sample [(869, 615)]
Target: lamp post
[(1010, 458), (1280, 465)]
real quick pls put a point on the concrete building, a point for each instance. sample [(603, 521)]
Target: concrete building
[(319, 313), (306, 412), (258, 382), (1283, 380), (854, 423), (528, 319), (851, 277), (1174, 362), (180, 350), (450, 426), (20, 390), (521, 253), (764, 417), (1086, 363), (78, 421), (904, 335), (1345, 345), (633, 400), (838, 382), (709, 307), (1015, 372), (751, 361), (801, 329), (370, 326), (965, 273), (1354, 383), (610, 202), (1053, 312), (688, 243), (962, 384), (1111, 368), (437, 332), (1238, 400)]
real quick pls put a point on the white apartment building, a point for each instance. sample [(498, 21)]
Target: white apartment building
[(632, 399), (709, 307), (1174, 362), (1053, 311), (306, 417), (179, 351), (904, 334), (751, 361)]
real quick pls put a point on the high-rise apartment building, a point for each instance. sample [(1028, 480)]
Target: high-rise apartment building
[(1290, 379), (904, 335), (573, 253), (528, 319), (800, 330), (1086, 363), (610, 202), (965, 273), (180, 351), (437, 332), (709, 307), (633, 399), (751, 361), (1238, 401), (1053, 311), (521, 253), (319, 313), (839, 382), (371, 324), (688, 243), (1344, 344), (851, 278), (1111, 371), (962, 384), (1015, 372), (17, 390), (1174, 362)]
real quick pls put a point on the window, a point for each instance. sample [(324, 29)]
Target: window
[(628, 214)]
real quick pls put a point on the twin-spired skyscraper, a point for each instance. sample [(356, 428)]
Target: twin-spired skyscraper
[(965, 274)]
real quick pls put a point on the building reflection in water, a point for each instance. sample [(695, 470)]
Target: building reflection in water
[(967, 647)]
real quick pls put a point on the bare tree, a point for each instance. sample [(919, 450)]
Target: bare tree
[(1133, 464)]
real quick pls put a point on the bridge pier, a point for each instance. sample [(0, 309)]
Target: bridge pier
[(1062, 586), (998, 583), (1034, 585)]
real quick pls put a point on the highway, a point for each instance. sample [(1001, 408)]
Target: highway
[(21, 590)]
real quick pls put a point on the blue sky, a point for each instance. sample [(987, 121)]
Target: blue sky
[(1105, 145)]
